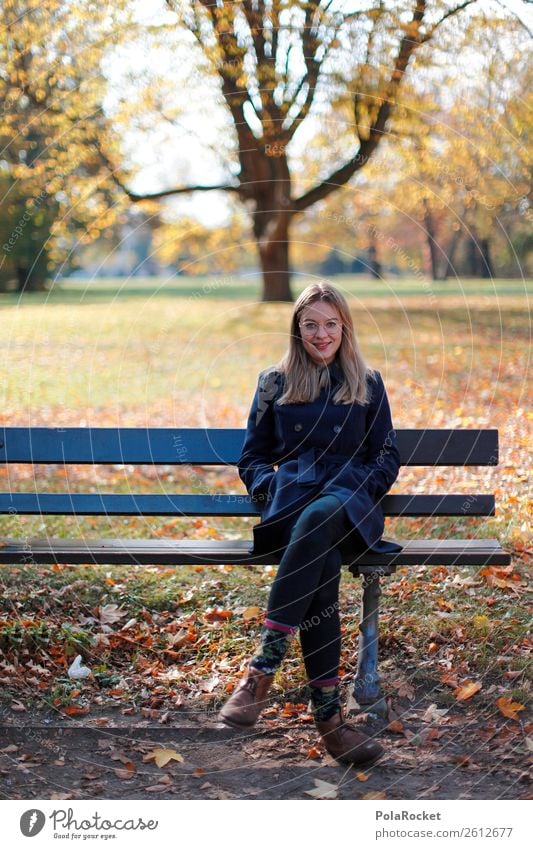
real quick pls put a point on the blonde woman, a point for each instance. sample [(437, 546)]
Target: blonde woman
[(323, 418)]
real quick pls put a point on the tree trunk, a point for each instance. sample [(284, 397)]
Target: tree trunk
[(29, 280), (272, 220), (431, 241), (373, 261), (487, 269), (450, 254), (275, 268), (472, 257)]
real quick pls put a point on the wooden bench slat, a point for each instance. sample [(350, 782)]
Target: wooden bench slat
[(465, 552), (101, 504), (218, 446)]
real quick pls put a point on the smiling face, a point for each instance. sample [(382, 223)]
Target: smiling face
[(321, 331)]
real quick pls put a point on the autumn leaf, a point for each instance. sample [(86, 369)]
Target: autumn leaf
[(125, 774), (214, 614), (209, 684), (323, 790), (361, 776), (251, 612), (375, 794), (467, 690), (509, 708), (128, 770), (110, 613), (76, 710), (433, 713), (163, 756)]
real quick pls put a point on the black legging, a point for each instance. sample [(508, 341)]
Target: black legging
[(305, 591)]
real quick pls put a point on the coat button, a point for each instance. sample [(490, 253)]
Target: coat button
[(298, 426), (337, 428)]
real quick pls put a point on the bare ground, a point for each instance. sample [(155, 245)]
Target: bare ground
[(430, 754)]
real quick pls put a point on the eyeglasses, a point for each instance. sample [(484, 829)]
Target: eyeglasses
[(310, 328)]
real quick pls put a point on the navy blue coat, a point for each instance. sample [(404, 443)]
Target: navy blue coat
[(347, 450)]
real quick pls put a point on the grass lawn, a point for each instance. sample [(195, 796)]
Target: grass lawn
[(187, 353)]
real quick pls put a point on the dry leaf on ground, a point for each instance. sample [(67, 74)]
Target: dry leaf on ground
[(163, 756)]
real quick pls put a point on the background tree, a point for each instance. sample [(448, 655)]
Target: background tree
[(54, 189), (450, 191), (465, 176), (279, 64)]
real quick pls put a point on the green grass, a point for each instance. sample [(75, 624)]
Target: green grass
[(248, 287)]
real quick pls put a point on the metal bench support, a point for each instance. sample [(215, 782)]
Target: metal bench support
[(367, 686)]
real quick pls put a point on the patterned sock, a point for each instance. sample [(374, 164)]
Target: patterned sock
[(274, 646), (325, 701)]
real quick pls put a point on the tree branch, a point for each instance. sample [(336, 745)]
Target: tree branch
[(445, 17), (135, 196), (408, 43)]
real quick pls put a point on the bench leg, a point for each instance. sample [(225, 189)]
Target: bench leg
[(367, 687)]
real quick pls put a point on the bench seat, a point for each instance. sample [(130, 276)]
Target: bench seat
[(180, 552)]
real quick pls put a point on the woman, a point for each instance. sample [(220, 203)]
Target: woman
[(322, 416)]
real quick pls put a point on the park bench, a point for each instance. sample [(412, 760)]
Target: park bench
[(222, 446)]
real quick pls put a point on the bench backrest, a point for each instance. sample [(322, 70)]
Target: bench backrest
[(218, 447)]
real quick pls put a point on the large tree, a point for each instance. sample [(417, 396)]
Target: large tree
[(279, 63), (54, 190)]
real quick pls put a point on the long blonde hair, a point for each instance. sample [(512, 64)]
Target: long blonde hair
[(303, 378)]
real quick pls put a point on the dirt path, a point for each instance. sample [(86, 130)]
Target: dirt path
[(110, 756)]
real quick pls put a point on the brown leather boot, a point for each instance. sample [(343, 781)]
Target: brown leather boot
[(346, 743), (248, 700)]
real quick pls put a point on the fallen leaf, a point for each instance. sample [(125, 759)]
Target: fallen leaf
[(91, 774), (313, 753), (396, 726), (124, 774), (375, 794), (110, 613), (323, 790), (467, 690), (18, 707), (251, 612), (511, 674), (214, 614), (509, 708), (76, 710), (163, 756), (433, 713), (361, 776), (209, 685)]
